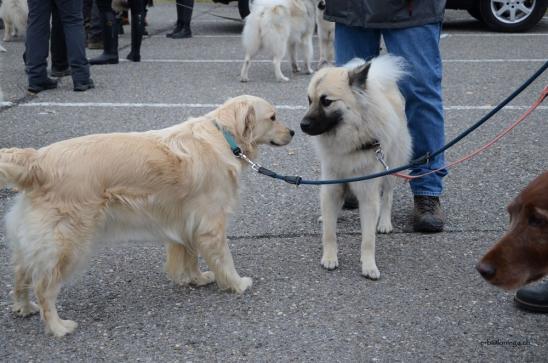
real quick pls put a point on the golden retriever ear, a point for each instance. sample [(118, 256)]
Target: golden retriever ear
[(245, 119)]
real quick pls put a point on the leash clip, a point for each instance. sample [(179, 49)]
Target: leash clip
[(254, 165), (379, 154)]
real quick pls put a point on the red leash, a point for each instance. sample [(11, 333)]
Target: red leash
[(503, 133)]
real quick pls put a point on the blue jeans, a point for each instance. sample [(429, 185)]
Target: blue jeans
[(419, 46)]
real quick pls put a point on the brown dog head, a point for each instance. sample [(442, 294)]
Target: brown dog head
[(521, 256)]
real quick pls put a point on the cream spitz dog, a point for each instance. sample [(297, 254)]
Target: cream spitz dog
[(14, 13), (279, 26), (176, 185), (356, 111)]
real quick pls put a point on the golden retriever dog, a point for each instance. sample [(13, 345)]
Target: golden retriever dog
[(176, 185), (14, 13), (355, 113), (279, 26)]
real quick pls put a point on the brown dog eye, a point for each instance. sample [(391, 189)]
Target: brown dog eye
[(535, 221), (324, 101)]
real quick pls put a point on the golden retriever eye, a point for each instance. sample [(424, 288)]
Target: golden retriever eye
[(325, 102), (273, 117)]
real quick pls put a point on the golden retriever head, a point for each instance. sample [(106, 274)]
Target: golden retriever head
[(253, 121), (521, 256)]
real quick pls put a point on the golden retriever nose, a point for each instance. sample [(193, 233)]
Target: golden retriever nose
[(292, 133), (486, 270)]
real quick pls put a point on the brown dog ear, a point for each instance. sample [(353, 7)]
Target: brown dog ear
[(358, 76)]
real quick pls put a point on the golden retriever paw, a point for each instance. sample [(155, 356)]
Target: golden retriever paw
[(245, 283), (283, 79), (330, 261), (205, 278), (60, 328), (25, 309), (371, 271)]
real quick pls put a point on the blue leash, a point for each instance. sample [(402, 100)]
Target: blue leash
[(297, 180)]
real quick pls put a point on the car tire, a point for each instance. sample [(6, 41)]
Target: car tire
[(535, 10), (243, 8)]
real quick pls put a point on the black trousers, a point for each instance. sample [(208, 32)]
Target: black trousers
[(136, 6), (38, 36), (184, 12)]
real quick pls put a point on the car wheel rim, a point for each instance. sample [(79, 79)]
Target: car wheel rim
[(512, 11)]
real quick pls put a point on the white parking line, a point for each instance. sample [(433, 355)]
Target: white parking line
[(496, 35), (443, 35), (497, 60), (213, 105)]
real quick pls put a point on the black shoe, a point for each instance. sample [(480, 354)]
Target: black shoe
[(185, 33), (59, 73), (84, 86), (427, 215), (42, 86), (177, 29), (350, 201), (133, 57), (533, 298)]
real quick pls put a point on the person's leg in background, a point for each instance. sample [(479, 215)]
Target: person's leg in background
[(58, 48), (110, 34), (419, 46), (70, 13), (37, 46), (137, 28), (95, 33), (352, 42), (184, 16)]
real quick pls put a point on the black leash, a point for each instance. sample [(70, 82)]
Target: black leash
[(297, 180)]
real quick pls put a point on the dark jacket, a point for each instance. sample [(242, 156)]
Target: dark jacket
[(378, 14)]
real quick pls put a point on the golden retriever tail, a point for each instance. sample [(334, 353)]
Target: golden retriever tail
[(16, 167)]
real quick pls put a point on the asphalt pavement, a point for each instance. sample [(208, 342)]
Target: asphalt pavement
[(430, 303)]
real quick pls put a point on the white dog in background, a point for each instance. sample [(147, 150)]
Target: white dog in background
[(326, 35), (279, 26), (14, 13)]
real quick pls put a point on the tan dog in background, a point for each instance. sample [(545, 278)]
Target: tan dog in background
[(14, 13), (326, 37), (176, 185)]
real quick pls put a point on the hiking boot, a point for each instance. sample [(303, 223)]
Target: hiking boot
[(427, 214), (533, 298)]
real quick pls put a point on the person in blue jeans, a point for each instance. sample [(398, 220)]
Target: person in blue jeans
[(410, 29)]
